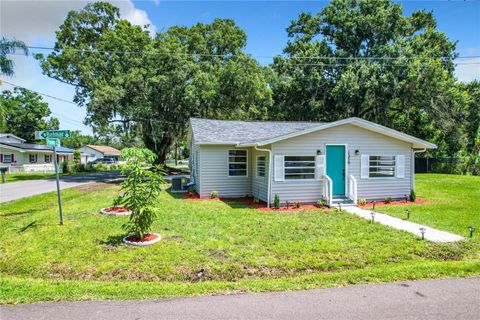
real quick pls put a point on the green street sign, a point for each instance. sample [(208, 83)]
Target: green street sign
[(53, 142), (52, 134)]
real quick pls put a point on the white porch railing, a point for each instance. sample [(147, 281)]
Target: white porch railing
[(352, 188), (327, 189)]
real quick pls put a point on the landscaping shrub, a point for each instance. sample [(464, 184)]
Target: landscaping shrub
[(276, 201), (413, 195), (321, 203), (362, 201), (256, 199), (388, 200), (214, 194), (140, 190), (296, 204)]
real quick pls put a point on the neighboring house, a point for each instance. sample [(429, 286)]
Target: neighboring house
[(25, 157), (340, 161), (93, 152)]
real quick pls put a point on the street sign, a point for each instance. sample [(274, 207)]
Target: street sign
[(53, 142), (39, 135)]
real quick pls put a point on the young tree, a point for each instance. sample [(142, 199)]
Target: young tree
[(25, 113), (140, 189)]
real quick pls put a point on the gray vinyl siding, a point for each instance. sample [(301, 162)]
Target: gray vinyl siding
[(195, 166), (356, 138), (259, 184), (214, 173)]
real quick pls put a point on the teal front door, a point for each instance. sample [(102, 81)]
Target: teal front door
[(336, 168)]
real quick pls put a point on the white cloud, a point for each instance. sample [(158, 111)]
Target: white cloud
[(35, 23), (468, 69), (37, 20)]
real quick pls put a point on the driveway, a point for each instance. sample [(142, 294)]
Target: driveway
[(430, 299), (21, 189)]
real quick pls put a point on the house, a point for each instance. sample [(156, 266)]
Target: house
[(339, 161), (19, 156), (93, 152)]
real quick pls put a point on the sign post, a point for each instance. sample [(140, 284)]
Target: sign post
[(53, 140), (55, 163)]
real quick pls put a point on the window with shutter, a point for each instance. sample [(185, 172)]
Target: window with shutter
[(320, 167), (364, 165), (400, 166), (279, 168)]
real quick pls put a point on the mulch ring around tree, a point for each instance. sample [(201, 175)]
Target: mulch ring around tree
[(148, 239), (393, 203), (262, 206), (116, 211)]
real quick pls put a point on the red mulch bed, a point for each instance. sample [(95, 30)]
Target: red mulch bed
[(394, 203), (260, 206), (146, 237), (117, 209)]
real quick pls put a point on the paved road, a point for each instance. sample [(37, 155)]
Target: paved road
[(430, 299), (21, 189)]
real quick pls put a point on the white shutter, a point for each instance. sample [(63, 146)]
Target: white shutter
[(364, 166), (319, 167), (279, 168), (400, 166)]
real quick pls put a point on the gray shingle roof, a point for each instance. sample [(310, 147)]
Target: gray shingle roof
[(233, 131)]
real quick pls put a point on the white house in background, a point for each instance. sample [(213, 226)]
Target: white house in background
[(340, 161), (19, 156), (92, 152)]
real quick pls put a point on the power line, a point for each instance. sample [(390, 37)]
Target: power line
[(251, 55), (40, 93)]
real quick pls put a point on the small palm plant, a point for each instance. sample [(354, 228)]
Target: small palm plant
[(140, 189)]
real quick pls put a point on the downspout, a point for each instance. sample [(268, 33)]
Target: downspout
[(412, 179), (269, 171)]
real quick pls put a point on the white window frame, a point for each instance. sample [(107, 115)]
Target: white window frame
[(246, 163), (303, 179), (34, 158), (49, 158), (7, 155), (393, 176), (264, 166)]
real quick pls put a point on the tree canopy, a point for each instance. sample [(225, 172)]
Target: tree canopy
[(354, 58), (25, 112), (9, 46), (152, 86), (366, 59)]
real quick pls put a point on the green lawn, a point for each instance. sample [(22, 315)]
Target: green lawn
[(454, 203), (13, 177), (241, 249)]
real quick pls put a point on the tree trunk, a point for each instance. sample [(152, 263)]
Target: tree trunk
[(160, 147)]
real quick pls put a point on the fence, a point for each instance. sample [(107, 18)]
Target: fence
[(438, 165), (33, 168)]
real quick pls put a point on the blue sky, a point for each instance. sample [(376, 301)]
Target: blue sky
[(263, 21)]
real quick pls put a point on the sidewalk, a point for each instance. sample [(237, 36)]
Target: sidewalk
[(431, 234)]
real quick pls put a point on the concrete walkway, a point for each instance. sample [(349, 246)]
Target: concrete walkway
[(422, 300), (431, 234)]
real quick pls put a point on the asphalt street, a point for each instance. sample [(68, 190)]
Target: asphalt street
[(430, 299), (21, 189)]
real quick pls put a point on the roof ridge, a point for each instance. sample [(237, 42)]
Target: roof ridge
[(259, 121)]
